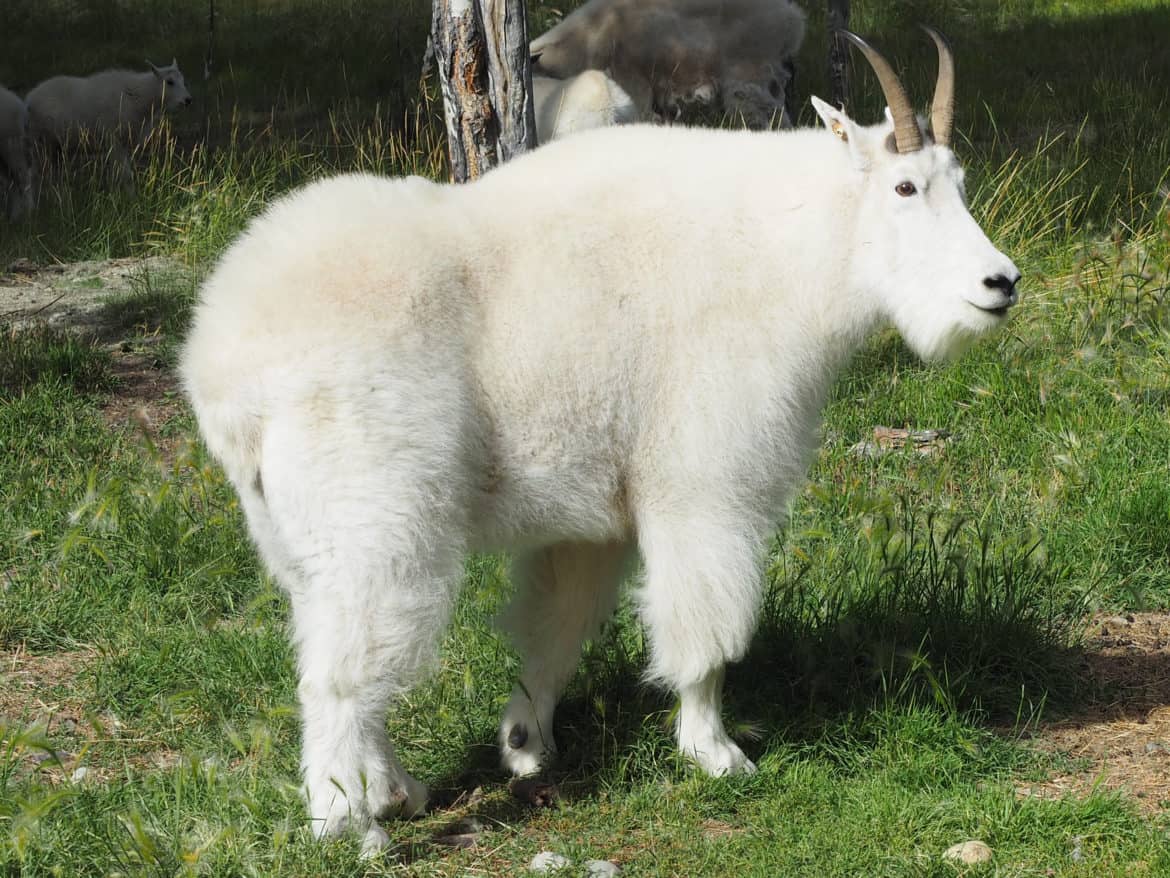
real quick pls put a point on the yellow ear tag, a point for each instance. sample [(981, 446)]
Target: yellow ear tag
[(839, 130)]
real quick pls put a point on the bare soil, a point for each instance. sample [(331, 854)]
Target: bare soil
[(75, 297), (70, 740), (1120, 738)]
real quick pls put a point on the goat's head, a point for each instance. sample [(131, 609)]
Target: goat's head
[(174, 87), (937, 276)]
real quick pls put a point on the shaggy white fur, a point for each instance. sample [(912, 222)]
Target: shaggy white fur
[(393, 375)]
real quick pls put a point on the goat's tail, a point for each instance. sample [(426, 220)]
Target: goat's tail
[(229, 416)]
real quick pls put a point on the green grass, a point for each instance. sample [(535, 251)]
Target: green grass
[(923, 613)]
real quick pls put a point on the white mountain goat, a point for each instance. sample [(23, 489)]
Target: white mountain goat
[(588, 100), (112, 111), (392, 376), (16, 179), (735, 55)]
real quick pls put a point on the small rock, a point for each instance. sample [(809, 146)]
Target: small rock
[(1155, 747), (458, 840), (601, 868), (1076, 854), (534, 791), (547, 861), (969, 852), (463, 833), (886, 439), (79, 774)]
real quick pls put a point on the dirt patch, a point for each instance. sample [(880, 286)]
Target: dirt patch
[(30, 687), (145, 401), (1121, 736), (76, 297)]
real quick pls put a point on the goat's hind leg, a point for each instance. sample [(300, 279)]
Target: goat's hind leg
[(373, 561), (563, 595)]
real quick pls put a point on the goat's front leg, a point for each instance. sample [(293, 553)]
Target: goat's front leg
[(700, 732), (699, 601)]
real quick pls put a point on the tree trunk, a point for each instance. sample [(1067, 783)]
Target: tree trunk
[(510, 74), (486, 78), (209, 58), (461, 58), (839, 52)]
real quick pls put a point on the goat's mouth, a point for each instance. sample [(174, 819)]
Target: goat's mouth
[(999, 311)]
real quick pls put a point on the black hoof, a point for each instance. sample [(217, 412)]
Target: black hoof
[(518, 737)]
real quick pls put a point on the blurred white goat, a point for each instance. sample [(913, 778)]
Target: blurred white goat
[(735, 55), (109, 112), (588, 100)]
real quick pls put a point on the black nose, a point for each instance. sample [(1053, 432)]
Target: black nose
[(1003, 283)]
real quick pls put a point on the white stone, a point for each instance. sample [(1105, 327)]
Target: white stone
[(547, 861), (601, 868), (969, 852)]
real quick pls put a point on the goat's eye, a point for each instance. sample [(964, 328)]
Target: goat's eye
[(170, 81), (906, 189)]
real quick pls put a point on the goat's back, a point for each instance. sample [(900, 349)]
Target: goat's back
[(103, 101), (585, 321)]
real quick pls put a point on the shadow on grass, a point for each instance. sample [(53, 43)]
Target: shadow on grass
[(934, 615), (928, 613)]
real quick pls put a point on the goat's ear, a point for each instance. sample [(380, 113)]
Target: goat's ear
[(835, 120), (157, 72), (845, 129)]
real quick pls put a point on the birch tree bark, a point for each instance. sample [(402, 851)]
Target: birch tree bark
[(461, 60), (510, 74), (481, 53)]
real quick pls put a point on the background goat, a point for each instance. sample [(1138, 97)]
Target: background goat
[(733, 54), (588, 100), (15, 168), (114, 111), (392, 376)]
